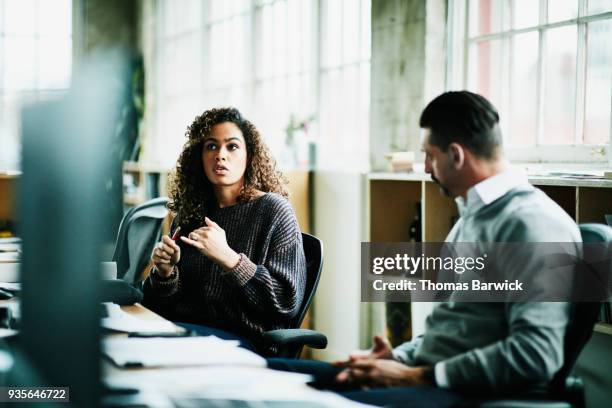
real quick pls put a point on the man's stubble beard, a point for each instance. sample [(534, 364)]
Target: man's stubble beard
[(444, 190)]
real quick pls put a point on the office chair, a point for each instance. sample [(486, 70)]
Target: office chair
[(289, 342), (139, 231), (566, 390)]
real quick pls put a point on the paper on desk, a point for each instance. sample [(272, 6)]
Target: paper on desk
[(9, 272), (219, 379), (10, 247), (194, 387), (118, 320), (10, 257), (181, 351), (11, 286)]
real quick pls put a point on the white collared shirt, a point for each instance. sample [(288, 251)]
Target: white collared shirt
[(490, 189)]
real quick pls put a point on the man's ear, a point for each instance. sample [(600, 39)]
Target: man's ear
[(457, 153)]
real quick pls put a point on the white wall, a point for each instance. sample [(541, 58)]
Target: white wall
[(339, 220)]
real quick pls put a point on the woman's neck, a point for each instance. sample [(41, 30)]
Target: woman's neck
[(227, 195)]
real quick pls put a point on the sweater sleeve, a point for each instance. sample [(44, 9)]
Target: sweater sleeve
[(277, 286), (532, 352), (159, 290), (404, 353)]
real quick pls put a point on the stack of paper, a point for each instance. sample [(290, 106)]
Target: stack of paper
[(10, 249), (181, 351), (9, 272), (118, 320)]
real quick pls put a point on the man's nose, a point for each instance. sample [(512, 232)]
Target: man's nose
[(427, 167)]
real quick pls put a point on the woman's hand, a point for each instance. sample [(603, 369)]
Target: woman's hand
[(165, 256), (212, 243)]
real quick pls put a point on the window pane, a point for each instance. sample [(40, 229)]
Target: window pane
[(18, 17), (240, 6), (55, 17), (366, 32), (20, 70), (239, 47), (280, 38), (486, 70), (307, 34), (599, 6), (598, 83), (220, 9), (332, 32), (485, 17), (559, 10), (523, 112), (265, 50), (350, 30), (181, 16), (219, 57), (294, 21), (525, 13), (54, 63), (560, 86)]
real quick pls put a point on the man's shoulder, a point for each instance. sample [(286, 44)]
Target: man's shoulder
[(527, 214)]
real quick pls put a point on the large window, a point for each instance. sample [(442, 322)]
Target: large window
[(546, 65), (276, 61), (35, 62)]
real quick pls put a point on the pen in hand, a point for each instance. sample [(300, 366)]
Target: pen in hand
[(175, 235)]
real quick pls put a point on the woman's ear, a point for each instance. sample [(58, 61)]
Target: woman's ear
[(457, 153)]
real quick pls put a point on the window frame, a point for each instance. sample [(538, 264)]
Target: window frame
[(457, 78), (310, 70)]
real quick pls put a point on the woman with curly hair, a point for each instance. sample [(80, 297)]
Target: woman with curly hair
[(237, 268)]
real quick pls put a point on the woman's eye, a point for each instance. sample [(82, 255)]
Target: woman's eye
[(210, 146), (233, 146)]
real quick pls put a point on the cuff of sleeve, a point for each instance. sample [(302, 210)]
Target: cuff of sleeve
[(165, 286), (241, 273), (440, 375), (399, 355)]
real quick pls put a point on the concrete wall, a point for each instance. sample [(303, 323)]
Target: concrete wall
[(101, 24), (408, 68)]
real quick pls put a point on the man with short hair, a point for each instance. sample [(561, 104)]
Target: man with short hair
[(468, 347)]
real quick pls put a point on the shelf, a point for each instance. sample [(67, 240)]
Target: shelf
[(535, 180), (605, 328)]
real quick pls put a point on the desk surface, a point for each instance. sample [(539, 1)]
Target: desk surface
[(193, 386), (141, 312)]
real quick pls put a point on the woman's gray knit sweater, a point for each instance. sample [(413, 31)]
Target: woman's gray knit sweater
[(263, 292)]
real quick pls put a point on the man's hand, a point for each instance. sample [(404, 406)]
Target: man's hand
[(210, 240), (380, 350), (382, 373)]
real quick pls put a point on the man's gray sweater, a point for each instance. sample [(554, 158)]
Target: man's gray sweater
[(499, 347)]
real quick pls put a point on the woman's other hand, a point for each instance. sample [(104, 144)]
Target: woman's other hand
[(165, 256), (210, 240)]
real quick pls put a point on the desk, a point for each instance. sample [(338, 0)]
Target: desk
[(201, 386)]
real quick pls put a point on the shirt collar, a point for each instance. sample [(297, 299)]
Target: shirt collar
[(490, 189)]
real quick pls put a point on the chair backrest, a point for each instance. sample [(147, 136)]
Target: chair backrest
[(583, 314), (313, 251), (139, 231)]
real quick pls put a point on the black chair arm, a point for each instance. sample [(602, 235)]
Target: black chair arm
[(295, 337)]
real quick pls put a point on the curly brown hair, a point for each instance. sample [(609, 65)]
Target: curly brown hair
[(191, 193)]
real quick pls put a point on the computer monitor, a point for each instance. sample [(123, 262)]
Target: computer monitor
[(61, 211)]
